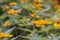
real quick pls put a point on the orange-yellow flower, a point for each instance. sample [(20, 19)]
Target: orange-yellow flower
[(37, 23), (12, 3), (34, 22), (13, 12), (24, 1), (47, 22), (8, 35), (10, 11), (58, 11), (39, 7), (41, 23), (2, 35), (57, 23), (38, 1), (34, 15), (6, 24), (5, 8), (57, 6)]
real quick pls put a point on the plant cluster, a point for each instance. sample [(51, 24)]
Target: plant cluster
[(29, 20)]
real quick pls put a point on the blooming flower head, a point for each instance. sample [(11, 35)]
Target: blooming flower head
[(37, 23), (57, 6), (12, 3), (24, 1), (34, 15), (8, 35), (2, 35), (58, 11), (6, 24), (39, 7), (47, 22), (57, 23), (5, 8), (41, 23), (38, 1), (10, 11)]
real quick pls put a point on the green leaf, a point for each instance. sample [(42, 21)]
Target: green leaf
[(9, 30)]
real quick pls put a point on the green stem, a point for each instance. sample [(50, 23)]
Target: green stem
[(25, 29), (28, 8)]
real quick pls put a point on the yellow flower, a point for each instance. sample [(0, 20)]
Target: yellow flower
[(38, 23), (10, 11), (24, 1), (57, 23), (39, 7), (41, 23), (31, 34), (2, 35), (38, 1), (5, 8), (6, 24), (34, 15), (8, 35), (12, 3), (34, 22), (47, 22), (57, 6), (13, 12), (58, 11)]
